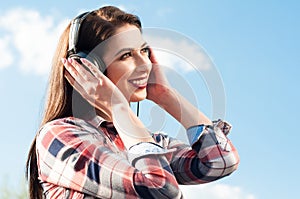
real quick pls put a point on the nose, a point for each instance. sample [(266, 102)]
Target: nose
[(142, 61)]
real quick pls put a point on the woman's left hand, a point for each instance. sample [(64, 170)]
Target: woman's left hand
[(158, 86)]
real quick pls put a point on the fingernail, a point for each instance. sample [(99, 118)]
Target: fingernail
[(70, 60), (63, 60), (83, 60)]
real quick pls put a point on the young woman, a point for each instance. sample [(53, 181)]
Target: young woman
[(91, 144)]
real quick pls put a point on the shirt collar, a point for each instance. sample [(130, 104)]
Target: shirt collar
[(93, 119)]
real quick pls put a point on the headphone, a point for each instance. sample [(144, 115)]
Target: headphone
[(73, 52)]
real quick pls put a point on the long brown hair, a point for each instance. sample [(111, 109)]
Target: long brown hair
[(98, 26)]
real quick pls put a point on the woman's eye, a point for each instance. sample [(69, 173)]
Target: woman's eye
[(125, 55), (145, 50)]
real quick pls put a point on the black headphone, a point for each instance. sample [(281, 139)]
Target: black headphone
[(73, 52)]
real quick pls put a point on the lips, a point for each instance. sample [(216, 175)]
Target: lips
[(139, 82)]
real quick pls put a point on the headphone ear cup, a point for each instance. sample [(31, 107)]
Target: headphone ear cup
[(93, 58), (97, 61), (78, 55)]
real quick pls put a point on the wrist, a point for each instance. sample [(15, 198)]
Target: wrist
[(167, 99), (120, 111), (129, 127), (165, 96)]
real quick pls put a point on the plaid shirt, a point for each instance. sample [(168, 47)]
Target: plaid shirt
[(86, 159)]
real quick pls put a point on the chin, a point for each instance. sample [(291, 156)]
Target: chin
[(138, 97)]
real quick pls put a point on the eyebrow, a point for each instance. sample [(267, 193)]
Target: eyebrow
[(129, 49)]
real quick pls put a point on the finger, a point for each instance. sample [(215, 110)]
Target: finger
[(69, 77), (84, 77), (153, 58), (78, 81), (83, 92), (74, 83), (94, 69), (70, 68), (80, 69), (72, 74), (104, 80)]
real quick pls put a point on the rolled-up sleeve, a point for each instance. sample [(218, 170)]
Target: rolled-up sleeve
[(210, 155)]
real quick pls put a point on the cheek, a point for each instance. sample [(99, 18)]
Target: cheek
[(118, 73)]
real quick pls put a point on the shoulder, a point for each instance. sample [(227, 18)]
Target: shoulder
[(67, 122), (60, 125), (68, 129)]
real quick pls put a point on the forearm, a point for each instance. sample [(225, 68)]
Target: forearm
[(182, 110), (129, 126)]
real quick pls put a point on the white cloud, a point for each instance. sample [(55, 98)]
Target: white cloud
[(175, 50), (6, 54), (215, 191), (32, 36)]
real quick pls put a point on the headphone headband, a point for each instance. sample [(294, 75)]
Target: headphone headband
[(74, 31), (73, 52)]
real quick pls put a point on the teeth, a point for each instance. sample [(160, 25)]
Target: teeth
[(139, 82)]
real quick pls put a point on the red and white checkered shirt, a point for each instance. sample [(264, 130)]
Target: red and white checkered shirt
[(87, 159)]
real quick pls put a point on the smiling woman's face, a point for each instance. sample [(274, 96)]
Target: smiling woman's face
[(128, 63)]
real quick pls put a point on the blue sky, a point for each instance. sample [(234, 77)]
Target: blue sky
[(255, 46)]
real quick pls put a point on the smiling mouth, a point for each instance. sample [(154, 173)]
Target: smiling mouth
[(139, 83)]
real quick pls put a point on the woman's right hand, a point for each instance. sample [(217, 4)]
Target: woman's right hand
[(93, 86)]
